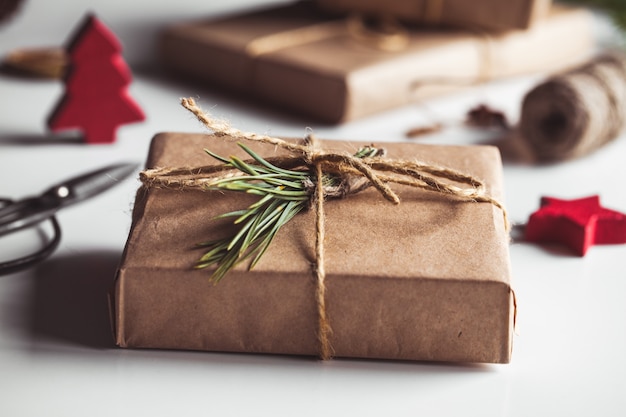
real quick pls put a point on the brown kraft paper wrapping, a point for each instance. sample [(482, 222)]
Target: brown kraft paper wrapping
[(308, 63), (488, 14), (428, 279)]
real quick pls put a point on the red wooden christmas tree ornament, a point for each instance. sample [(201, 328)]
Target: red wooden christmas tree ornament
[(96, 100), (578, 224)]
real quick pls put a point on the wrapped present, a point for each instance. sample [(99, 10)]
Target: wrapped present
[(488, 14), (333, 70), (426, 279)]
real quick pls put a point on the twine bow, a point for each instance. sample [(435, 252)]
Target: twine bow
[(375, 171)]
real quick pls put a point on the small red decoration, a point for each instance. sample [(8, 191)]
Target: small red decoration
[(578, 223), (96, 100)]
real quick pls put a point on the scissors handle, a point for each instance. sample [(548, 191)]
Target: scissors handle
[(16, 215), (14, 265), (21, 214)]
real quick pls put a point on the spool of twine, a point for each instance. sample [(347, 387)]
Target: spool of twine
[(577, 112)]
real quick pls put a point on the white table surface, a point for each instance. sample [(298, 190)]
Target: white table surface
[(56, 354)]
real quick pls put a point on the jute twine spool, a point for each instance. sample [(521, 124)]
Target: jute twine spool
[(577, 112)]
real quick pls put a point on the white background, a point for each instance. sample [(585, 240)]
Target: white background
[(56, 353)]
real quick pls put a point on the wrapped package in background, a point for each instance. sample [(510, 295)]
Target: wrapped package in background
[(306, 62), (487, 14)]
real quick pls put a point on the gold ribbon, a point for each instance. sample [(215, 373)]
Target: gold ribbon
[(377, 171)]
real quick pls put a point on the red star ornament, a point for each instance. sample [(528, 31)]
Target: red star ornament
[(578, 224)]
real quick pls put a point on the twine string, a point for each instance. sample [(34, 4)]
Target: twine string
[(324, 329), (294, 37), (377, 172), (386, 35)]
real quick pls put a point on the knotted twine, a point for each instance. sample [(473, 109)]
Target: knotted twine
[(376, 171)]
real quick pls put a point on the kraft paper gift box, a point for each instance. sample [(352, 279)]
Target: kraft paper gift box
[(308, 63), (488, 14), (428, 279)]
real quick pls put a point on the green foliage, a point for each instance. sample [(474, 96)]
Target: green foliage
[(282, 195)]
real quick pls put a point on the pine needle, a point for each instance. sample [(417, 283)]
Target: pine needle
[(283, 195)]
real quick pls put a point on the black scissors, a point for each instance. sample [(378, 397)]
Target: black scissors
[(29, 212)]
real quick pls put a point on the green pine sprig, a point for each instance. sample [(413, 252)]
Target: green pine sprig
[(283, 194)]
